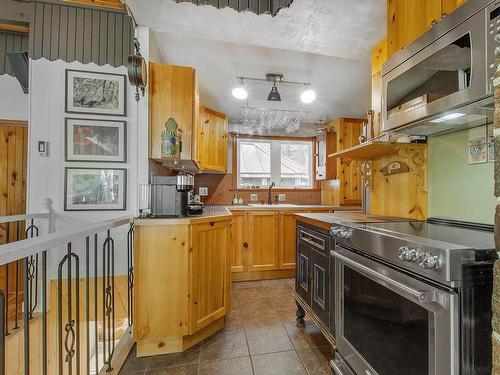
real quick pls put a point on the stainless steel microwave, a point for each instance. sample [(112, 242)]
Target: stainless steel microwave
[(443, 81)]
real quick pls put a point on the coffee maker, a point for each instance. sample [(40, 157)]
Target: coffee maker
[(169, 195)]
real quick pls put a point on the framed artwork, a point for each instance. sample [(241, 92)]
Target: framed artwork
[(95, 189), (478, 145), (97, 93), (95, 140)]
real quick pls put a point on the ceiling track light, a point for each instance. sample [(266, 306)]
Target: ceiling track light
[(307, 96)]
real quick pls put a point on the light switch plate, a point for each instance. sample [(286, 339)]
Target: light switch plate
[(254, 197), (203, 191), (43, 149), (281, 197)]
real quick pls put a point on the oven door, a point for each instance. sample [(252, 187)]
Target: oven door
[(388, 323)]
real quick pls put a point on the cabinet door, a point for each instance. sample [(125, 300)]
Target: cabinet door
[(320, 294), (209, 270), (214, 130), (239, 241), (303, 272), (408, 19), (449, 6), (288, 240), (263, 234), (172, 94)]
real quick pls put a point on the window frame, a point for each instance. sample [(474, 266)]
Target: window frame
[(275, 161)]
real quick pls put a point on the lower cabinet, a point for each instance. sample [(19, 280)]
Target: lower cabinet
[(313, 273), (264, 243), (183, 279)]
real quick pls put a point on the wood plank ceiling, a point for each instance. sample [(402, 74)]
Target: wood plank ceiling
[(257, 6)]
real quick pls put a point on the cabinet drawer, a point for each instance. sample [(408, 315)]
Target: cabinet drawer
[(316, 240)]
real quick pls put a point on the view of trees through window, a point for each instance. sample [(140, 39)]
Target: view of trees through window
[(287, 163)]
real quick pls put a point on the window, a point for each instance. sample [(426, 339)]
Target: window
[(287, 163)]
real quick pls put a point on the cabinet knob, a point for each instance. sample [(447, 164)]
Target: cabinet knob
[(245, 244)]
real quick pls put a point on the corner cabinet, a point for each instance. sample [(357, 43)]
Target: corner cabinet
[(203, 132)]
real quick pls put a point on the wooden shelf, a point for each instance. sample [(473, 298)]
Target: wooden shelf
[(373, 150)]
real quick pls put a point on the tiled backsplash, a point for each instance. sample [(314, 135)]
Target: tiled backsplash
[(220, 191)]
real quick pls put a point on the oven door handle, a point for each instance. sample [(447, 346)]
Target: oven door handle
[(421, 296)]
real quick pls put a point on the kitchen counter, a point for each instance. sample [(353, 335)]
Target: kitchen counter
[(222, 212), (326, 220)]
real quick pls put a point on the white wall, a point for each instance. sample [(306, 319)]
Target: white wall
[(46, 174), (14, 104)]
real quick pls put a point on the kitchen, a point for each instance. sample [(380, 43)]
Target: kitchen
[(291, 193)]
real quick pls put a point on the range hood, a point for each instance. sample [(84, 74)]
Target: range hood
[(20, 66), (443, 81)]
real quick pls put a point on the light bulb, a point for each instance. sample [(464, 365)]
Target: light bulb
[(240, 93), (308, 96)]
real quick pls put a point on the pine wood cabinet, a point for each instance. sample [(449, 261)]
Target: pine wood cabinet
[(209, 273), (183, 281), (264, 243), (345, 190), (212, 140), (263, 236), (408, 19), (173, 93)]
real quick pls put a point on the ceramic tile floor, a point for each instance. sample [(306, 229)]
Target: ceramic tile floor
[(260, 338)]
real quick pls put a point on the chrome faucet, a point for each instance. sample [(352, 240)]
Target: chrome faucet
[(269, 195)]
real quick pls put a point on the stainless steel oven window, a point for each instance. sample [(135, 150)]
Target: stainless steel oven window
[(319, 280), (439, 306)]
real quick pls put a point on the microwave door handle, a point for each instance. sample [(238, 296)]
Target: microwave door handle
[(418, 295)]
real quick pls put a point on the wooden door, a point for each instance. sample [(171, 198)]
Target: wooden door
[(222, 125), (239, 242), (214, 130), (172, 94), (408, 19), (210, 273), (320, 288), (303, 272), (263, 235)]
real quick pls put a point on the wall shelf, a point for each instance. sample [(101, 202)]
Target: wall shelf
[(375, 149)]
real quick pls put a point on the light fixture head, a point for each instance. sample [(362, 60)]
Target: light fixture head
[(308, 96), (448, 117), (274, 95), (239, 92)]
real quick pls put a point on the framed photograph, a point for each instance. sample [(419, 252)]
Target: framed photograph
[(95, 189), (95, 140), (97, 93)]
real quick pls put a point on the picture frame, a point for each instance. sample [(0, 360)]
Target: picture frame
[(96, 93), (95, 189), (94, 140)]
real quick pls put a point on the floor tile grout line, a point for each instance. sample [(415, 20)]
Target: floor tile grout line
[(246, 337)]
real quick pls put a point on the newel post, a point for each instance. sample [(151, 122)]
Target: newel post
[(46, 204)]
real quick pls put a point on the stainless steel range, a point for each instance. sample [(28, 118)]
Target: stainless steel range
[(413, 298)]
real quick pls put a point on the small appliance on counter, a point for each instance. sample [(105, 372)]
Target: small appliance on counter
[(195, 206), (169, 195)]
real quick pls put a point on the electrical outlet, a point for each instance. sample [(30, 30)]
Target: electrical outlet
[(203, 191), (254, 197), (281, 197)]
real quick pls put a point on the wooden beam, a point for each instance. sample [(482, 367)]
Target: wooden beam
[(15, 28), (112, 4)]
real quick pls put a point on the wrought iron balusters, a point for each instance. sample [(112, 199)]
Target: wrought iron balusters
[(108, 248), (130, 274)]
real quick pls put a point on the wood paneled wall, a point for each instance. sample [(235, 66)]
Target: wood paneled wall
[(11, 42), (73, 32), (13, 167)]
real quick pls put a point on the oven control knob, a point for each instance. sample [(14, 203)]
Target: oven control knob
[(429, 262), (404, 253), (345, 234), (335, 231)]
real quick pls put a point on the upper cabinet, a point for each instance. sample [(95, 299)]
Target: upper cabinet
[(212, 140), (325, 145), (173, 95), (202, 133), (408, 19)]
